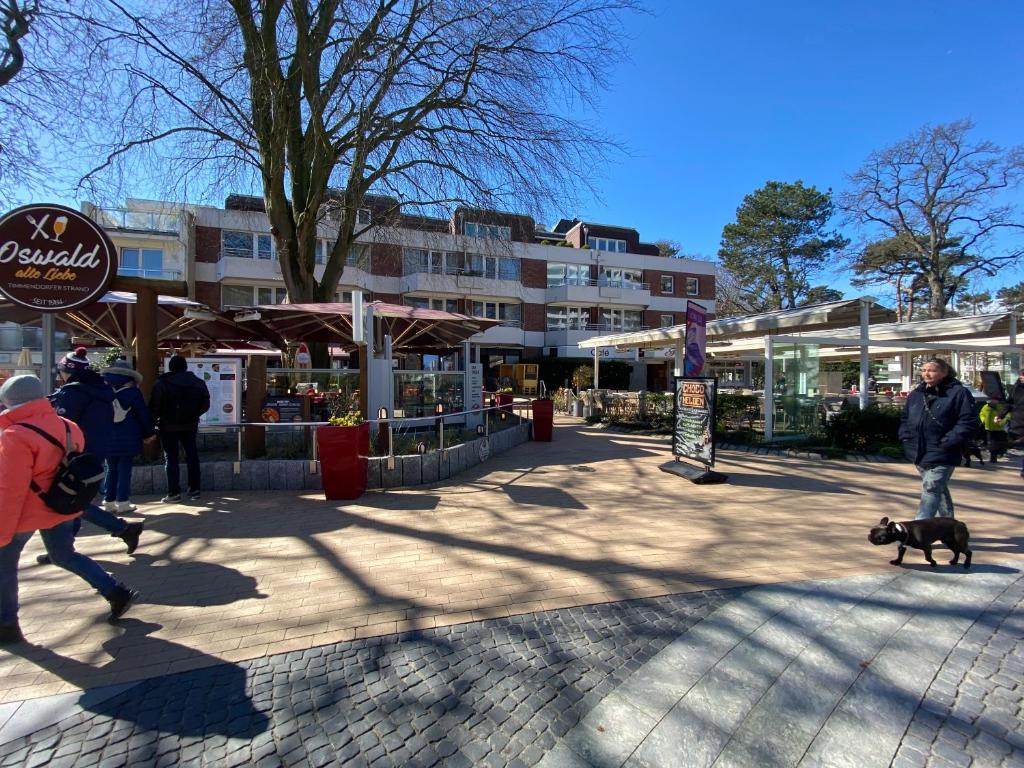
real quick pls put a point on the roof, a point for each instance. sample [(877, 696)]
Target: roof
[(816, 317)]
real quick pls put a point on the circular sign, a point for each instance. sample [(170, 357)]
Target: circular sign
[(53, 258)]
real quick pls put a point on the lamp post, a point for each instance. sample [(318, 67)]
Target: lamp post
[(439, 410)]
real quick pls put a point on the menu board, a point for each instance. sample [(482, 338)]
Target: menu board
[(281, 409), (693, 432), (476, 386), (223, 379)]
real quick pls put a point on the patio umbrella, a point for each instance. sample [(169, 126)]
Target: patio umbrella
[(410, 328)]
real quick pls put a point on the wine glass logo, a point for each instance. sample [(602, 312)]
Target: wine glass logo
[(59, 225)]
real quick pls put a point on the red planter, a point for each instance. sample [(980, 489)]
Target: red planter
[(344, 453), (543, 420), (504, 399)]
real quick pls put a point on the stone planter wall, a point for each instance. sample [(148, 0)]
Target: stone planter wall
[(295, 474)]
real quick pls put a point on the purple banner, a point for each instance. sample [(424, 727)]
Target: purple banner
[(696, 339)]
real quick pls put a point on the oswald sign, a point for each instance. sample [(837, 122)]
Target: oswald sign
[(54, 258)]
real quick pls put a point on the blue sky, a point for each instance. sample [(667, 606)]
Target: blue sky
[(720, 97)]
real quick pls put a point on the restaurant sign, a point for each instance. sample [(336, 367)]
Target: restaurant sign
[(53, 258)]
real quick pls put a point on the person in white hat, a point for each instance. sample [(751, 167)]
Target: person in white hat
[(132, 426), (30, 460)]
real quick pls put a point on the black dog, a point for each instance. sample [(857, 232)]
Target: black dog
[(971, 449), (921, 534)]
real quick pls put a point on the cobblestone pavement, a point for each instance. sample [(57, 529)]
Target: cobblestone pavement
[(490, 693)]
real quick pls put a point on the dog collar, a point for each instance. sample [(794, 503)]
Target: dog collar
[(906, 535)]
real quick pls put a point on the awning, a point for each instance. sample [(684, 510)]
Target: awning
[(410, 328)]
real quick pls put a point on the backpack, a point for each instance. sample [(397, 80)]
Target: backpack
[(77, 480), (185, 402), (120, 411)]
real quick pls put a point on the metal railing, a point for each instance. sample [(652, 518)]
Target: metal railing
[(142, 221), (161, 274), (583, 282)]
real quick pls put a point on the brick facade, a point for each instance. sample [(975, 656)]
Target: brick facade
[(207, 246), (208, 294), (386, 259), (534, 273), (534, 318), (705, 284)]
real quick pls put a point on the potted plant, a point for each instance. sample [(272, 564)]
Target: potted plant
[(344, 446), (504, 398)]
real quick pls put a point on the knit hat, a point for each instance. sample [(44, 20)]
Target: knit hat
[(177, 364), (75, 361), (21, 389), (121, 368)]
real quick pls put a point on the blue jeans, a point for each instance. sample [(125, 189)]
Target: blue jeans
[(935, 498), (60, 545), (99, 517), (117, 485), (170, 442)]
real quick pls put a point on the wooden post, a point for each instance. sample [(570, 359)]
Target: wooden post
[(145, 332), (255, 439)]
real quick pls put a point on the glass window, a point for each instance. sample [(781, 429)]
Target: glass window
[(264, 247), (508, 268), (264, 295), (489, 231), (358, 256), (667, 321), (568, 318), (414, 260), (282, 296), (607, 244), (667, 284), (556, 275), (482, 266), (363, 217), (129, 261), (236, 295), (419, 302), (320, 248), (452, 262), (236, 244), (692, 286)]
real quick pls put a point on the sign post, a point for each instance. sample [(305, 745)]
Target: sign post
[(53, 259), (693, 430)]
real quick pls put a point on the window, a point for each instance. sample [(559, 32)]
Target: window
[(243, 245), (692, 286), (509, 314), (363, 217), (668, 284), (621, 319), (142, 262), (479, 265), (488, 231), (358, 256), (343, 297), (667, 321), (617, 277), (606, 244), (249, 295), (568, 318), (426, 302), (568, 274)]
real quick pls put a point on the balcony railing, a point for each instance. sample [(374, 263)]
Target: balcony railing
[(158, 274), (139, 221), (599, 283), (600, 327)]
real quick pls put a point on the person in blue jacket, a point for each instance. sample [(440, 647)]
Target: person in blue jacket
[(86, 399), (132, 426), (937, 420)]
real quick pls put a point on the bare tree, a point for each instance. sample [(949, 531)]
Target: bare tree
[(316, 105), (944, 197)]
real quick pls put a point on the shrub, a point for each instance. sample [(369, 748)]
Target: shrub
[(855, 430), (892, 451), (736, 412)]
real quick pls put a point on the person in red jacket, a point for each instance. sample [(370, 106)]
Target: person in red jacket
[(26, 456)]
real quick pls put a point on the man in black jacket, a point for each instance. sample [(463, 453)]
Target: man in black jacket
[(178, 400), (1015, 399), (937, 419)]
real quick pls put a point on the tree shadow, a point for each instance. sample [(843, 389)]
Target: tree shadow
[(184, 582)]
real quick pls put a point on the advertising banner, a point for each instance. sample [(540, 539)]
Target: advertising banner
[(696, 339), (693, 419), (53, 258), (280, 410), (223, 379)]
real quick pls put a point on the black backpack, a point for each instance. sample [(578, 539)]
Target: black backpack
[(77, 480)]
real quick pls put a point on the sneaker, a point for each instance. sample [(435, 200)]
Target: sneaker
[(44, 560), (130, 535), (121, 599), (10, 634), (125, 508), (110, 506), (194, 495), (171, 498)]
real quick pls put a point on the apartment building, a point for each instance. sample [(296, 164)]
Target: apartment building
[(551, 288)]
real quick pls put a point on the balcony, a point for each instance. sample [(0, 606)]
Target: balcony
[(126, 220), (570, 337), (459, 281), (156, 274), (580, 291), (507, 333)]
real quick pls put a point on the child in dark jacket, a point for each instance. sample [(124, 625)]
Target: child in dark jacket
[(132, 425)]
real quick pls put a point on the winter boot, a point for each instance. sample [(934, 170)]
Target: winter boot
[(121, 599), (130, 535)]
